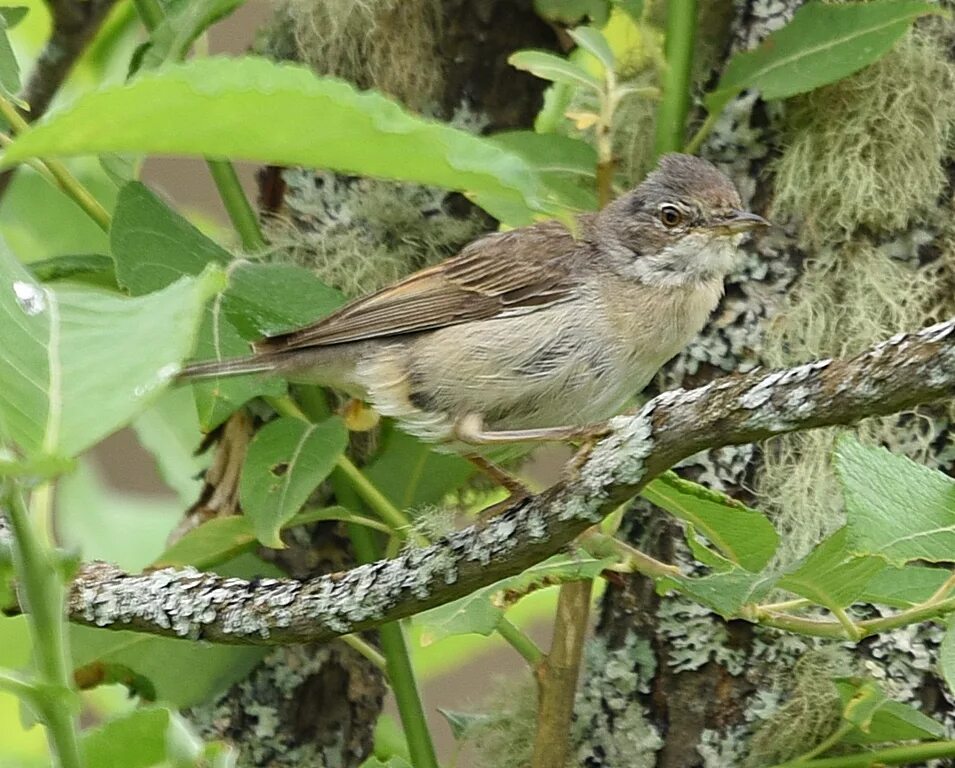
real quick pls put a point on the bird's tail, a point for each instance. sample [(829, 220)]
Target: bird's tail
[(235, 366)]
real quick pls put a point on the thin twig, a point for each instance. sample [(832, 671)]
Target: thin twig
[(74, 25), (557, 676), (61, 175)]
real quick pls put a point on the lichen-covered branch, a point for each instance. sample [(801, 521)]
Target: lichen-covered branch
[(896, 374)]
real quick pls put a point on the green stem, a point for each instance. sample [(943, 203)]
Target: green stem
[(151, 12), (20, 686), (599, 545), (786, 605), (520, 642), (834, 629), (851, 630), (907, 755), (223, 173), (41, 583), (694, 144), (236, 204), (400, 672), (365, 649), (828, 743), (377, 500), (675, 104), (61, 175)]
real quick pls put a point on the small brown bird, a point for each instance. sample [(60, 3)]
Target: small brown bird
[(534, 333)]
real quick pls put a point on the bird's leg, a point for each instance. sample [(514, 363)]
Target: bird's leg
[(515, 488), (471, 430)]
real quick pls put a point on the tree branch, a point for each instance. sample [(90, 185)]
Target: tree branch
[(896, 374), (74, 25)]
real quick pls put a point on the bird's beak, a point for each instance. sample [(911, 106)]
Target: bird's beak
[(741, 221)]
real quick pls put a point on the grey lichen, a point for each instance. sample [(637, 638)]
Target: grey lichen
[(869, 150), (359, 234), (262, 714), (810, 708), (390, 45), (611, 727), (721, 749), (693, 639)]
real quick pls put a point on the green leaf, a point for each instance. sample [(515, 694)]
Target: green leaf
[(325, 123), (105, 524), (822, 44), (879, 719), (182, 24), (218, 398), (461, 723), (569, 12), (904, 587), (224, 538), (742, 534), (77, 364), (633, 8), (724, 592), (895, 508), (946, 655), (547, 66), (93, 266), (702, 552), (481, 611), (265, 299), (182, 672), (13, 15), (392, 762), (567, 166), (146, 738), (39, 468), (860, 702), (286, 461), (153, 245), (410, 473), (169, 430), (9, 68), (830, 575), (135, 740), (593, 41), (39, 221)]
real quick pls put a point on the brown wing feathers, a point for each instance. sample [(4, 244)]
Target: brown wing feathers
[(499, 273)]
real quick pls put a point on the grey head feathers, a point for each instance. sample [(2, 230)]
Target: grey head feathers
[(681, 225)]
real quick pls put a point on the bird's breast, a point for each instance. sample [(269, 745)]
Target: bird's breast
[(654, 323)]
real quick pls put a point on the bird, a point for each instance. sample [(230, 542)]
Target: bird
[(535, 333)]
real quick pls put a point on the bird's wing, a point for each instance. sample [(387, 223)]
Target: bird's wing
[(521, 270)]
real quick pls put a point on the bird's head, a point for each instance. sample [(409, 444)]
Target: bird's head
[(682, 224)]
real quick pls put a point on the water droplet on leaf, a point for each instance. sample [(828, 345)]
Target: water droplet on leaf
[(30, 297)]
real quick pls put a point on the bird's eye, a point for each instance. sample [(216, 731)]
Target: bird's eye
[(670, 215)]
